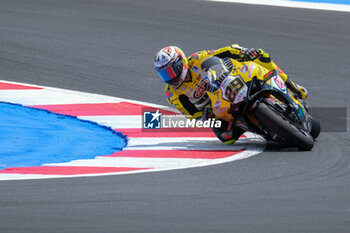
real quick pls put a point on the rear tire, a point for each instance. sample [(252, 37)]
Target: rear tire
[(272, 120)]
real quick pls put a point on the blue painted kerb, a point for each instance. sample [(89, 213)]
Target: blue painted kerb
[(33, 137)]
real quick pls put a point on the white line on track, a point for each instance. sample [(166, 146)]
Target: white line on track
[(116, 122), (187, 143), (156, 163), (282, 3)]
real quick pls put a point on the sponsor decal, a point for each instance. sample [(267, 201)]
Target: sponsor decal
[(221, 110), (268, 74), (217, 104), (226, 82), (241, 95), (189, 91), (183, 88), (206, 78), (196, 69), (244, 68), (251, 68), (200, 90), (279, 83)]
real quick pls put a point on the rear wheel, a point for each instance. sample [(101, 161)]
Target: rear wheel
[(272, 120)]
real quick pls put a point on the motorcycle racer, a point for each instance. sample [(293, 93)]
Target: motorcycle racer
[(186, 90)]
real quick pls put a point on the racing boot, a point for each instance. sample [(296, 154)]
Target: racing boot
[(227, 133), (300, 91)]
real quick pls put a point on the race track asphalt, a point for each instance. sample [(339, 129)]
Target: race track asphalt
[(107, 47)]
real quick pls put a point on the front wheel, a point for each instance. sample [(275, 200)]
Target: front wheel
[(315, 128), (273, 121)]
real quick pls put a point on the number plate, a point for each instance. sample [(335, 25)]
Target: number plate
[(233, 89)]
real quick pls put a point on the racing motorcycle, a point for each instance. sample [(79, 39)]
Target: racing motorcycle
[(257, 100)]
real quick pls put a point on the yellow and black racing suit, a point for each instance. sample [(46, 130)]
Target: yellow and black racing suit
[(190, 97)]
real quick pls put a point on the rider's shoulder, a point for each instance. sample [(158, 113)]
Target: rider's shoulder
[(171, 94), (169, 88)]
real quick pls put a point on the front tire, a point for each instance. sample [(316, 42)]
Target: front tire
[(273, 121), (315, 128)]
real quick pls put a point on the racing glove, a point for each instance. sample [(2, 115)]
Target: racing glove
[(300, 91), (251, 54)]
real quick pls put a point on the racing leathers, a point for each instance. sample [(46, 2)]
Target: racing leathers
[(190, 96)]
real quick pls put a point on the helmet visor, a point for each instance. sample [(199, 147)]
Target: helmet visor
[(172, 74)]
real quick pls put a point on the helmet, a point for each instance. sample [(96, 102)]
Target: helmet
[(171, 65)]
